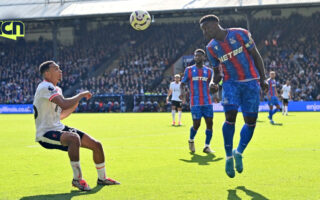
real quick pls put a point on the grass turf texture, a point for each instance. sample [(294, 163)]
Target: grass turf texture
[(152, 161)]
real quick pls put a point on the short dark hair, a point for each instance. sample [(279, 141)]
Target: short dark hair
[(208, 18), (200, 51), (45, 66)]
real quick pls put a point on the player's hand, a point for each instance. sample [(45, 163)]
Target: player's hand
[(213, 87), (167, 100), (181, 97), (264, 86), (86, 94)]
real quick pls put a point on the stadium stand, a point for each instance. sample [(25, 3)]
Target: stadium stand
[(290, 49)]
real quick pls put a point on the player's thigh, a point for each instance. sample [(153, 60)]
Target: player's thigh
[(179, 105), (196, 113), (270, 106), (250, 97), (207, 111), (86, 140), (230, 93), (52, 140), (69, 137), (275, 102), (173, 107)]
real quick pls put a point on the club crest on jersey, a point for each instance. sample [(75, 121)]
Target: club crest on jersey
[(232, 40), (50, 88), (216, 47)]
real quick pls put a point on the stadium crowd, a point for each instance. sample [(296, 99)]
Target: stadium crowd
[(290, 47), (142, 66)]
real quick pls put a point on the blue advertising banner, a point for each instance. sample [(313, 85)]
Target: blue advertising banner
[(294, 106), (16, 108)]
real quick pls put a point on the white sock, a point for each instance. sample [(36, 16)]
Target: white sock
[(173, 112), (286, 108), (77, 174), (228, 157), (179, 114), (237, 152), (206, 145), (101, 169)]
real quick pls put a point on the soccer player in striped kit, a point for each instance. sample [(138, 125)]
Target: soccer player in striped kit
[(234, 50), (272, 96), (199, 76)]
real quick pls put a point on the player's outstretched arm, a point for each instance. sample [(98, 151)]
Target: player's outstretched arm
[(260, 66), (67, 103)]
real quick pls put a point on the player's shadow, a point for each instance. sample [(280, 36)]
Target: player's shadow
[(232, 194), (63, 196), (202, 160), (277, 124)]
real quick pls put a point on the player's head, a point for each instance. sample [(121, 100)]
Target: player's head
[(50, 71), (209, 25), (199, 56), (272, 74), (177, 77), (288, 82)]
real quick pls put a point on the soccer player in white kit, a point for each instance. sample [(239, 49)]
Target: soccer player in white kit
[(176, 102), (286, 95), (50, 106)]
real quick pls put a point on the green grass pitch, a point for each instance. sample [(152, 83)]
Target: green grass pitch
[(152, 161)]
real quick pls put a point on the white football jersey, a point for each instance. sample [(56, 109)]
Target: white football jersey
[(286, 91), (176, 92), (46, 113)]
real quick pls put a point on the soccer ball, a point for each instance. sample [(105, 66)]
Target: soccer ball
[(140, 20)]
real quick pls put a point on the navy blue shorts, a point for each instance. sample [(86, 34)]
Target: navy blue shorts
[(205, 111), (51, 139)]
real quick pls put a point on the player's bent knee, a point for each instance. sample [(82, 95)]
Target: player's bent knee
[(75, 139), (98, 146), (68, 138), (231, 116)]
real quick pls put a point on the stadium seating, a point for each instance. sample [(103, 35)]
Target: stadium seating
[(292, 50)]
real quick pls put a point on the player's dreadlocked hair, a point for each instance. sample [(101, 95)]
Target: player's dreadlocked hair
[(200, 51), (208, 18)]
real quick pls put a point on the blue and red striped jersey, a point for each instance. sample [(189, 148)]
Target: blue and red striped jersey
[(272, 87), (199, 79), (232, 54)]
